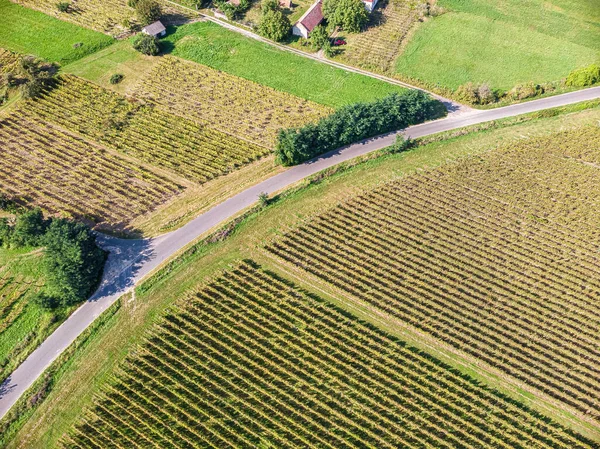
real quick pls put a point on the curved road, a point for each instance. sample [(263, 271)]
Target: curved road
[(131, 260)]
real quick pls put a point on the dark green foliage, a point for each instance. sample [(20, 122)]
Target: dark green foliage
[(269, 5), (232, 12), (585, 76), (147, 11), (116, 78), (354, 123), (29, 229), (349, 15), (274, 24), (402, 144), (319, 38), (146, 44), (44, 301), (73, 262), (63, 6)]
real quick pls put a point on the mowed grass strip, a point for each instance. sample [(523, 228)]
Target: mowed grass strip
[(502, 43), (251, 361), (31, 32), (222, 49)]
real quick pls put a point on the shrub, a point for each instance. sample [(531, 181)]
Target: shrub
[(349, 15), (467, 93), (45, 301), (264, 199), (63, 6), (147, 11), (116, 78), (402, 144), (526, 90), (29, 228), (146, 44), (356, 122), (269, 5), (485, 94), (274, 25), (3, 95), (35, 76), (583, 77)]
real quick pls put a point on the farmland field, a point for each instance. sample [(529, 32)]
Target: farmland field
[(94, 372), (31, 32), (503, 43), (377, 47), (43, 165), (22, 325), (250, 361), (226, 102), (495, 256), (222, 49)]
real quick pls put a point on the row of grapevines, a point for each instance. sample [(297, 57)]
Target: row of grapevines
[(173, 143), (42, 165), (250, 361), (451, 253)]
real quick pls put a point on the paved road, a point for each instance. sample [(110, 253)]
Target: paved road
[(132, 260)]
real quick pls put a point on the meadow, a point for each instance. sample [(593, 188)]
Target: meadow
[(230, 52), (249, 360), (27, 31), (502, 43), (93, 376)]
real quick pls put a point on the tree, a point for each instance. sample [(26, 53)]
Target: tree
[(146, 44), (29, 228), (35, 75), (349, 15), (147, 11), (73, 262), (274, 25), (63, 6), (269, 5), (319, 38)]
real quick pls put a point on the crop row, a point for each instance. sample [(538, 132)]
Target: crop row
[(250, 361), (519, 294), (8, 61), (196, 152), (226, 102), (41, 165)]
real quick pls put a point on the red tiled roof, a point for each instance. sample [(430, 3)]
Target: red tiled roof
[(313, 17)]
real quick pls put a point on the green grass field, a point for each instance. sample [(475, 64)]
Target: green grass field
[(31, 32), (91, 369), (503, 42), (225, 50)]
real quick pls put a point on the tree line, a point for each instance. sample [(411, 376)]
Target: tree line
[(354, 123)]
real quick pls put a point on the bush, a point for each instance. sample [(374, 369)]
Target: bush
[(527, 90), (269, 5), (349, 15), (147, 11), (402, 144), (263, 199), (146, 44), (476, 94), (63, 6), (485, 94), (35, 76), (116, 78), (319, 37), (274, 25), (29, 229), (583, 77), (354, 123), (45, 301), (73, 262)]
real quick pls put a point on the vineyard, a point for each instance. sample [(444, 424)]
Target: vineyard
[(250, 361), (377, 47), (42, 165), (108, 16), (8, 62), (195, 152), (495, 256), (226, 102)]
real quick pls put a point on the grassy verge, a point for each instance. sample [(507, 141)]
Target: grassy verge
[(31, 32), (93, 365), (222, 49), (502, 43)]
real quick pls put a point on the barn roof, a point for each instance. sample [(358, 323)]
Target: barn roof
[(154, 28), (312, 17)]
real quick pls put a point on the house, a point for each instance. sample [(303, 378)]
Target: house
[(156, 29), (370, 4), (309, 20)]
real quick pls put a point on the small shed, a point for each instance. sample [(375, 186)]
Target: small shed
[(309, 21), (156, 29), (285, 3), (370, 4)]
